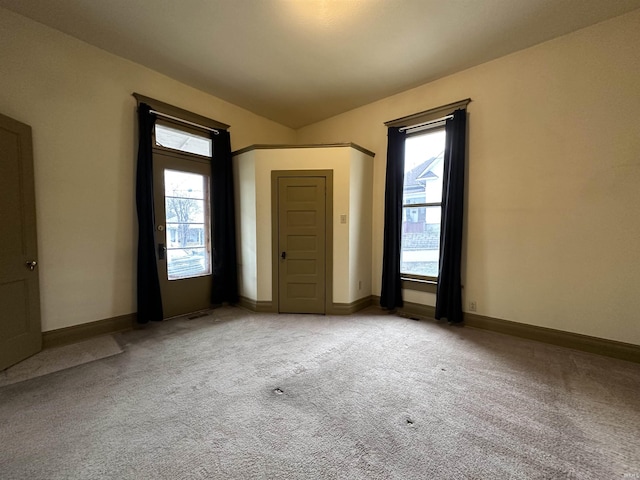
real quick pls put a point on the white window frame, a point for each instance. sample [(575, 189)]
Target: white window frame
[(413, 281)]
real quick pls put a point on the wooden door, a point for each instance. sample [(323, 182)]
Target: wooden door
[(20, 331), (183, 226), (301, 244)]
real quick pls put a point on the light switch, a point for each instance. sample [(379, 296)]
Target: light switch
[(343, 218)]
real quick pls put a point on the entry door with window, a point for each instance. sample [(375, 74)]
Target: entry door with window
[(301, 220), (183, 220), (20, 332)]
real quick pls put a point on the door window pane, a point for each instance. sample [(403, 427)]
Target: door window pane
[(184, 184), (187, 224), (184, 210), (187, 263)]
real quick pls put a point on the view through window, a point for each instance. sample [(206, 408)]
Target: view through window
[(176, 139), (187, 227), (422, 203)]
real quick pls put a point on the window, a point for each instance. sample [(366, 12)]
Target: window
[(186, 197), (179, 139), (422, 204)]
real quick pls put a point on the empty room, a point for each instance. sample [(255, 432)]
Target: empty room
[(342, 239)]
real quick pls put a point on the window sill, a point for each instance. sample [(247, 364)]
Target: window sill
[(420, 285)]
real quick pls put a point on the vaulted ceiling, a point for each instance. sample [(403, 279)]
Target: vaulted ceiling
[(301, 61)]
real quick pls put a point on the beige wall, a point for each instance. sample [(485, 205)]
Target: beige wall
[(359, 219), (78, 101), (351, 197), (553, 221), (244, 174), (336, 159), (552, 235)]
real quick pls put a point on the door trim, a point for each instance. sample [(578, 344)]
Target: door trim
[(275, 254)]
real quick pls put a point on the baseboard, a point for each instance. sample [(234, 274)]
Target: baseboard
[(84, 331), (349, 308), (411, 310), (336, 309), (416, 310), (576, 341), (247, 303), (585, 343), (257, 305)]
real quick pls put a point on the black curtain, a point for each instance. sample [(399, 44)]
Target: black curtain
[(391, 294), (449, 293), (149, 297), (223, 230)]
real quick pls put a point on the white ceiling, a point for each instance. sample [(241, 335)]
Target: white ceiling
[(301, 61)]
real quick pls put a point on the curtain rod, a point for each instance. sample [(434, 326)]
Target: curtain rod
[(428, 114), (215, 132), (424, 124)]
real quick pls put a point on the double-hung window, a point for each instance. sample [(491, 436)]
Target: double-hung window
[(422, 204)]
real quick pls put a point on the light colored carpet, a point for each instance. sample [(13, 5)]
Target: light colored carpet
[(60, 358), (239, 395)]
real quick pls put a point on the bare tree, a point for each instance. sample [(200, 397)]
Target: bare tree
[(182, 210)]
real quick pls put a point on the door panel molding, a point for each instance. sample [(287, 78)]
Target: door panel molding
[(275, 254)]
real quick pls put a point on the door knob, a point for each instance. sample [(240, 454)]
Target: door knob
[(284, 255), (31, 265)]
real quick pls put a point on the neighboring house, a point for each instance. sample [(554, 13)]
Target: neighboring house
[(424, 176), (421, 225)]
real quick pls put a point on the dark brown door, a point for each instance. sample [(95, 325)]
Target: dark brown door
[(20, 331), (183, 226), (301, 244)]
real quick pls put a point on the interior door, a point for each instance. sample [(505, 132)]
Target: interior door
[(183, 226), (20, 331), (301, 244)]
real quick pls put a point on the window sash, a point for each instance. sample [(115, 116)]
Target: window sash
[(420, 242), (413, 280), (189, 133), (416, 205)]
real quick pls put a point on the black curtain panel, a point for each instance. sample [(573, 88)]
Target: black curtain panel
[(223, 230), (391, 294), (149, 297), (449, 293)]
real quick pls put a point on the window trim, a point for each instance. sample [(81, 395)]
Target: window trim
[(424, 284), (180, 113), (428, 115)]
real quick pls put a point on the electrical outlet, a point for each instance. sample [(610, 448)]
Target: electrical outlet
[(473, 306), (359, 284)]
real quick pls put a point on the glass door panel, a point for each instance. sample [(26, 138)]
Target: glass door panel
[(187, 224)]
